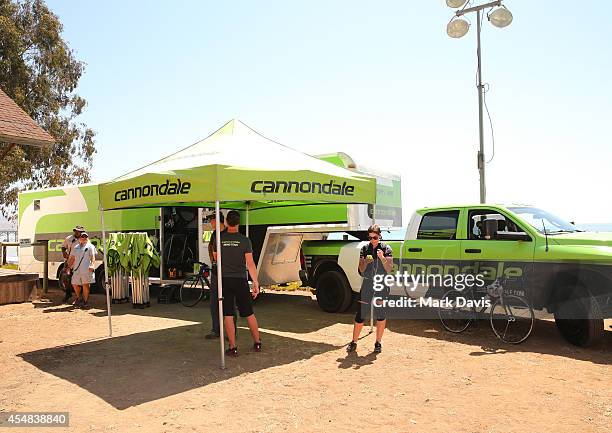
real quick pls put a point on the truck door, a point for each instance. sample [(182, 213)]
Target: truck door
[(431, 249), (494, 257)]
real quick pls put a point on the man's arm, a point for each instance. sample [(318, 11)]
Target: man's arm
[(212, 254), (65, 249), (252, 272)]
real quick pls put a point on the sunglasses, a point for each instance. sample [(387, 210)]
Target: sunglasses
[(373, 238)]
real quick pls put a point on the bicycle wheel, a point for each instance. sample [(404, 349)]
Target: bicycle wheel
[(512, 319), (454, 317), (191, 291)]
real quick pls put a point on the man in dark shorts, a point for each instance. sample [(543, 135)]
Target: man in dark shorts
[(214, 296), (236, 259), (375, 258)]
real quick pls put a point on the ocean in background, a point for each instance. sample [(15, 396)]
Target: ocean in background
[(11, 255), (595, 227)]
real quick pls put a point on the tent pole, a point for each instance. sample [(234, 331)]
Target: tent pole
[(248, 205), (220, 284), (106, 285), (371, 303), (161, 246)]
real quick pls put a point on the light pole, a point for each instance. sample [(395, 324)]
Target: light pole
[(457, 28)]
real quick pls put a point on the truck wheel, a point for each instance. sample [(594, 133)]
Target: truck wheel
[(63, 280), (579, 319), (99, 286), (334, 294)]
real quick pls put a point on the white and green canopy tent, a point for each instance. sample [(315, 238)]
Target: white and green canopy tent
[(241, 169)]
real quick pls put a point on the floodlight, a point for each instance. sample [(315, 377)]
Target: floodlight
[(455, 4), (501, 17), (457, 28)]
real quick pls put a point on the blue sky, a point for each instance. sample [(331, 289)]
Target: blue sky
[(380, 81)]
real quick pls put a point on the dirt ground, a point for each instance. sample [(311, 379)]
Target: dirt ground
[(159, 374)]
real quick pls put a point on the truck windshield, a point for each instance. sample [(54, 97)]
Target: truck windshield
[(534, 217)]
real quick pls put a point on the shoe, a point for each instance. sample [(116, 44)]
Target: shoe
[(77, 303), (351, 347), (257, 346), (232, 351), (212, 336), (66, 299), (377, 347), (84, 305)]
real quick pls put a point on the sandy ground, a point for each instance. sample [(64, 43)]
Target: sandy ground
[(159, 374)]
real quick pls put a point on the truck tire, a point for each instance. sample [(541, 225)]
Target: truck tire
[(63, 281), (578, 318), (334, 294), (99, 286)]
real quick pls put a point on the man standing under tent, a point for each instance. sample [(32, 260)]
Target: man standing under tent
[(69, 243), (214, 294), (237, 256)]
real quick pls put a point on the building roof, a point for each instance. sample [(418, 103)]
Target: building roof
[(16, 127)]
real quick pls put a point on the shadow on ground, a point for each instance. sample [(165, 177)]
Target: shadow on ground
[(134, 369), (164, 362), (545, 339), (279, 308)]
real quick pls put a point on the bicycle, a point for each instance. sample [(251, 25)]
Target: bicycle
[(196, 286), (511, 316)]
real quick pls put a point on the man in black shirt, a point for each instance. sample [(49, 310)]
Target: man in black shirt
[(236, 259), (375, 258)]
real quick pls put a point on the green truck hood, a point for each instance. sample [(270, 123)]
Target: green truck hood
[(582, 238)]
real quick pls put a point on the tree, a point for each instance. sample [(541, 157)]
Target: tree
[(40, 72)]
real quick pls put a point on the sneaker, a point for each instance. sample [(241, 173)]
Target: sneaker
[(351, 347), (77, 303), (257, 346), (377, 347), (212, 336), (85, 305), (232, 351)]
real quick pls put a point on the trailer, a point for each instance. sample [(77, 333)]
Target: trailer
[(181, 233)]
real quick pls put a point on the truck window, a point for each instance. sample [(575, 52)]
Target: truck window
[(439, 225), (476, 220)]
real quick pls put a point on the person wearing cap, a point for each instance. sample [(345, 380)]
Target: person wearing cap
[(69, 243), (82, 262)]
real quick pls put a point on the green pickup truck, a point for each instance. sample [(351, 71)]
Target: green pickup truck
[(559, 268)]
